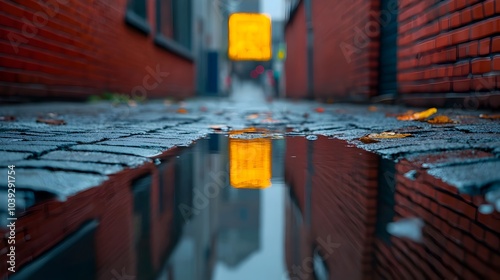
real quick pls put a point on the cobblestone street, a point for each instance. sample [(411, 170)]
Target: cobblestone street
[(72, 159)]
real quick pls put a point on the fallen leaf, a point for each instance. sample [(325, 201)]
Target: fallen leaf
[(51, 121), (440, 120), (388, 135), (182, 111), (7, 118), (252, 116), (372, 138), (490, 117), (219, 127), (367, 140), (418, 115), (372, 108), (269, 120), (319, 109)]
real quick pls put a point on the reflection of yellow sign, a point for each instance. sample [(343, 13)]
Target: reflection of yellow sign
[(250, 163), (249, 37)]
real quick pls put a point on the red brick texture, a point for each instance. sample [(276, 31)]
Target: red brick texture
[(443, 47), (48, 223), (73, 49), (345, 48), (458, 241), (344, 53), (295, 64), (446, 46)]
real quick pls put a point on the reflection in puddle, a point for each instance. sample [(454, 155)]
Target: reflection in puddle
[(245, 206), (249, 160)]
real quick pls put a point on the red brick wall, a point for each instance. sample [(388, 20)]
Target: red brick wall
[(457, 241), (345, 65), (74, 49), (449, 46), (46, 224), (295, 64)]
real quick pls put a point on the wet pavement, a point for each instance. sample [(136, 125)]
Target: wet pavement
[(241, 188)]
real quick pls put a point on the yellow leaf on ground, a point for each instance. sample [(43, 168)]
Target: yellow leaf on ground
[(372, 138), (418, 115), (491, 117), (252, 116), (367, 140), (182, 111), (50, 121), (440, 120), (372, 108)]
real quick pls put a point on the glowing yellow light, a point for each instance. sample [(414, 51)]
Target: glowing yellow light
[(249, 37), (281, 54), (250, 162)]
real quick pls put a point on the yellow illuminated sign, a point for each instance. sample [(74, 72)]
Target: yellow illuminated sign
[(249, 37), (250, 162)]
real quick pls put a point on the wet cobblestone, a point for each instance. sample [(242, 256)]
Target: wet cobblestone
[(104, 139)]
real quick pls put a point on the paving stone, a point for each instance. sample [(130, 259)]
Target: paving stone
[(431, 145), (15, 147), (143, 152), (135, 141), (12, 157), (449, 158), (60, 183), (97, 157), (469, 177), (105, 169)]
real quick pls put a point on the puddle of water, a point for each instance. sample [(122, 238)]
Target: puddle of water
[(260, 206)]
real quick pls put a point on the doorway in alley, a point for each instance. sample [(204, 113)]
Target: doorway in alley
[(388, 47)]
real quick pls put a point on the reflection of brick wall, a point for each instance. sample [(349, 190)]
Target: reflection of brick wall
[(296, 166), (81, 48), (162, 220), (44, 225), (343, 205), (344, 190), (458, 240)]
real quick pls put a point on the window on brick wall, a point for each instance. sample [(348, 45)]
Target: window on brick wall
[(173, 26), (136, 15)]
